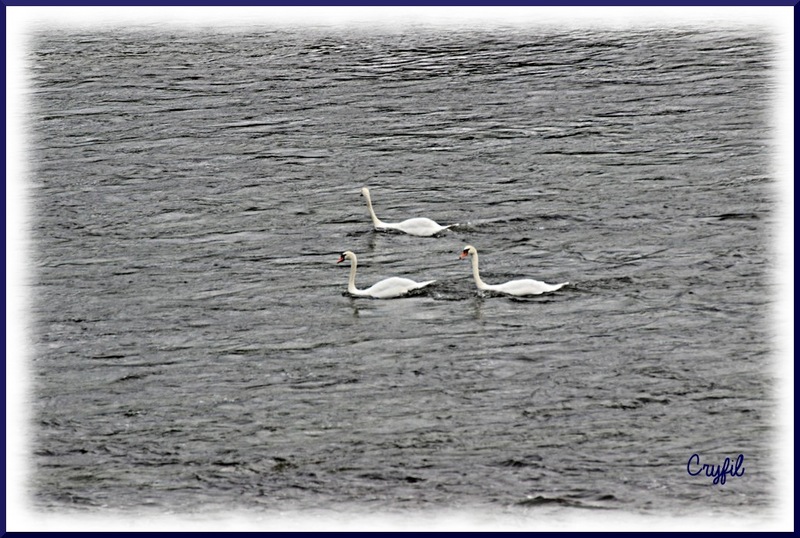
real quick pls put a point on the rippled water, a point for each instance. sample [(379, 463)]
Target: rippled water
[(195, 348)]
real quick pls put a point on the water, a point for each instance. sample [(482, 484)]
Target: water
[(195, 350)]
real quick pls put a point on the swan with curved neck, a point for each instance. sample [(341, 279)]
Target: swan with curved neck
[(514, 287), (420, 226), (385, 289)]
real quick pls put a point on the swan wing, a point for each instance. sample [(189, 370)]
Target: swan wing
[(421, 226), (526, 287), (394, 287)]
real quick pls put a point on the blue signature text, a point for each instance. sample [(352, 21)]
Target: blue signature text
[(718, 472)]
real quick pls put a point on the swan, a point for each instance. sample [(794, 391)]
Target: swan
[(515, 287), (385, 289), (420, 226)]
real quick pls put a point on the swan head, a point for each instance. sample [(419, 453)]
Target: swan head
[(365, 192), (469, 249), (346, 255)]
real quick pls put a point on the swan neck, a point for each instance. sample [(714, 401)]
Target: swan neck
[(375, 220), (476, 273), (351, 284)]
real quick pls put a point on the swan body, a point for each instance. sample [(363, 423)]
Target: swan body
[(385, 289), (420, 226), (525, 286)]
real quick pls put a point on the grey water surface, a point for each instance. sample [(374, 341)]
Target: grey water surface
[(195, 348)]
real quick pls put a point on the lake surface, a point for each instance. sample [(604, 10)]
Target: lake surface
[(195, 350)]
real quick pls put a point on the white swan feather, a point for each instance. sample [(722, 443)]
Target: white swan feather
[(385, 289), (525, 286), (420, 226)]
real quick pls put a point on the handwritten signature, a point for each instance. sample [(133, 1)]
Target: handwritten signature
[(719, 472)]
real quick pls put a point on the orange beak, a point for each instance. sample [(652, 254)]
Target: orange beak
[(341, 259), (464, 254)]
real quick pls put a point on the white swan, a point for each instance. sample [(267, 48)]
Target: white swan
[(420, 226), (515, 287), (385, 289)]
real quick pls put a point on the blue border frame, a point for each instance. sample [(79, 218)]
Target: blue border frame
[(412, 3), (253, 3)]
